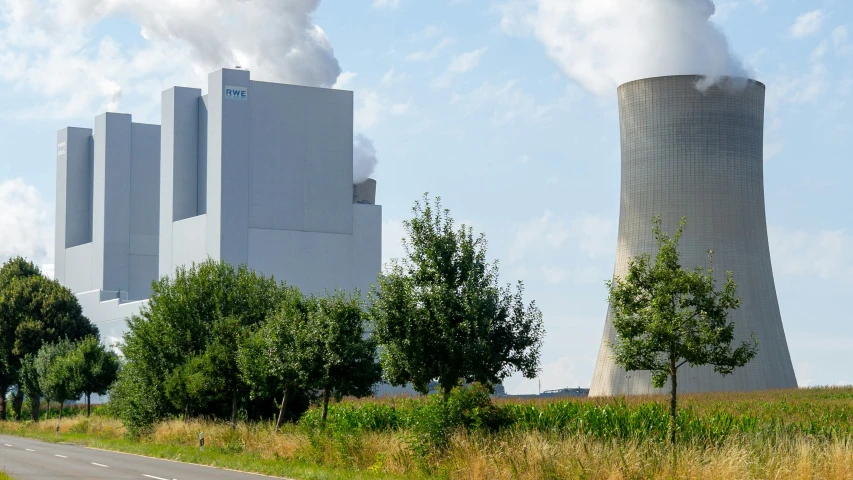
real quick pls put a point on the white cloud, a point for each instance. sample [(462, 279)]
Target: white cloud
[(431, 54), (604, 43), (594, 235), (543, 232), (344, 80), (589, 275), (51, 48), (374, 107), (391, 77), (827, 254), (368, 113), (839, 38), (807, 24), (391, 4), (26, 225), (507, 101), (462, 63)]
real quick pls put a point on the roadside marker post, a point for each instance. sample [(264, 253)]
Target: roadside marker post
[(201, 440)]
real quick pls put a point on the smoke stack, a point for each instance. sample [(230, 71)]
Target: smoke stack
[(699, 154), (365, 192)]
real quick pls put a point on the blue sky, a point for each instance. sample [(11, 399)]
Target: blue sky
[(482, 103)]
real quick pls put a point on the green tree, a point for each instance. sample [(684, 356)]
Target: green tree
[(666, 317), (343, 356), (194, 315), (14, 269), (275, 359), (58, 378), (34, 310), (28, 380), (96, 366), (440, 314)]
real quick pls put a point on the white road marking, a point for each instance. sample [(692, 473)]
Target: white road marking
[(7, 444), (61, 456), (155, 478), (98, 464), (29, 449)]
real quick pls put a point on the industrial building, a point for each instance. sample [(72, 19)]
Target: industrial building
[(251, 173), (699, 154)]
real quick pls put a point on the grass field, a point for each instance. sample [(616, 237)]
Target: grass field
[(797, 434)]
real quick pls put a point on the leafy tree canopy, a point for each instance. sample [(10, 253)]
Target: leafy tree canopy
[(666, 317), (343, 356), (187, 319), (440, 314)]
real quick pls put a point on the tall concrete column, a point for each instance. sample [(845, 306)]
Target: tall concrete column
[(73, 193), (179, 159), (228, 116), (111, 202)]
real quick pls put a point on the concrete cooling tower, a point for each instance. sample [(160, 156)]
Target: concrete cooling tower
[(699, 154)]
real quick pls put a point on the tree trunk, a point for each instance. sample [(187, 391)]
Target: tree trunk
[(35, 406), (18, 404), (234, 411), (673, 401), (325, 405), (88, 405), (281, 411)]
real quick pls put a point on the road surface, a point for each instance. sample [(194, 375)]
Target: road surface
[(25, 459)]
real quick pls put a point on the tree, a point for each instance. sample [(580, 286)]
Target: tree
[(195, 315), (29, 382), (275, 358), (343, 357), (440, 314), (666, 317), (96, 366), (58, 378), (14, 269), (34, 310)]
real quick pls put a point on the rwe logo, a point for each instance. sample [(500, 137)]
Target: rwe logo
[(236, 93)]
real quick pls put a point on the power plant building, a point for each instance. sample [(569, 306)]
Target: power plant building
[(699, 153), (251, 173)]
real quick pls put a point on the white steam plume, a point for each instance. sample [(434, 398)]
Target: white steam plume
[(363, 159), (604, 43), (276, 39)]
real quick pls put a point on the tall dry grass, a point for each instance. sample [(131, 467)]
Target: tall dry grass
[(509, 455)]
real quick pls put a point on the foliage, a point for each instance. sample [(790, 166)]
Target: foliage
[(275, 359), (28, 381), (95, 365), (342, 355), (58, 378), (196, 316), (34, 310), (441, 314), (666, 317)]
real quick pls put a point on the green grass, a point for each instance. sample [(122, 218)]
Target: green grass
[(214, 457), (3, 476)]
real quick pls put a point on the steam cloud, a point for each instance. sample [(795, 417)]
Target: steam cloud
[(604, 43), (364, 159), (277, 40)]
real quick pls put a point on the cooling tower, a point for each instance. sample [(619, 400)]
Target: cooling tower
[(699, 154)]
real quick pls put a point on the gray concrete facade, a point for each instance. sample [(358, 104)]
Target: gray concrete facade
[(251, 173), (699, 154)]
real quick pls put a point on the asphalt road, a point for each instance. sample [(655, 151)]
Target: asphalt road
[(25, 459)]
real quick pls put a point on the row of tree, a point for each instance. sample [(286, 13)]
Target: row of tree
[(216, 340), (66, 371), (34, 312)]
